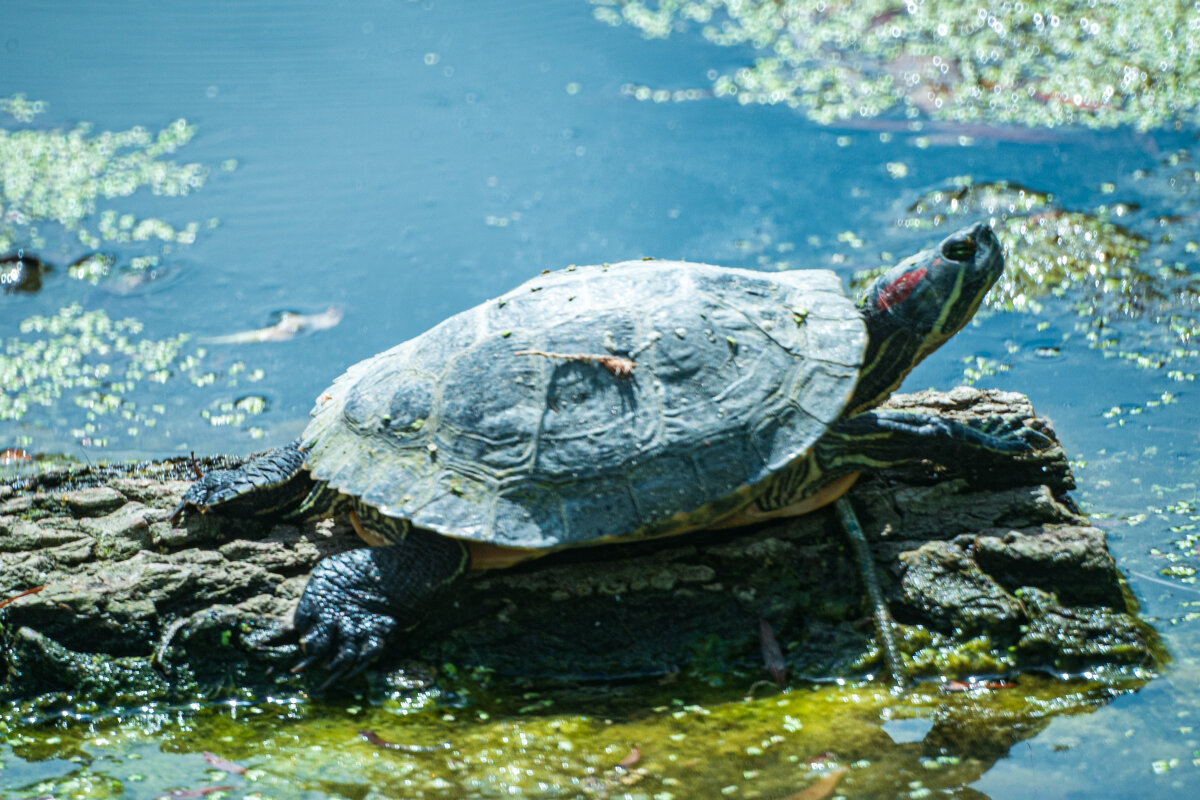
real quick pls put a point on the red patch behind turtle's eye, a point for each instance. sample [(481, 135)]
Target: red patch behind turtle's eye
[(898, 290)]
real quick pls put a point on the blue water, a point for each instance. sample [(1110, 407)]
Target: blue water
[(404, 161)]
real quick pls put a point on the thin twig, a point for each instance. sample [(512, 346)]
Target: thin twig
[(618, 366), (16, 597)]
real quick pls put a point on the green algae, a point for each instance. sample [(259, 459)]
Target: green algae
[(56, 182), (80, 350), (81, 367), (20, 108), (1099, 63), (62, 176), (676, 741)]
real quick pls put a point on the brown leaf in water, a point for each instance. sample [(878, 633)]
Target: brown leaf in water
[(17, 597), (821, 789), (378, 741), (771, 653), (223, 765), (14, 455)]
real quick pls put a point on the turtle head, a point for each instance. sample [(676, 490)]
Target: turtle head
[(921, 302)]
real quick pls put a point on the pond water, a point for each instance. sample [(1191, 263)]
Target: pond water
[(193, 174)]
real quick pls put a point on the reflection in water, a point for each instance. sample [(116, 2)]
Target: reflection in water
[(689, 742)]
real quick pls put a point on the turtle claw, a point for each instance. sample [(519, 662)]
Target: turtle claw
[(341, 618), (1012, 435), (345, 643), (271, 485), (346, 664), (1035, 438), (355, 601)]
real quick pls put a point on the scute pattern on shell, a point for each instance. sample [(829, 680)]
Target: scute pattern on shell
[(737, 373)]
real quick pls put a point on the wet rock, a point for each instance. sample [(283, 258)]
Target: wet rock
[(943, 587), (988, 570), (1072, 563)]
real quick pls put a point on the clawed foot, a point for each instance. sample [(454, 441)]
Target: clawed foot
[(355, 601), (209, 489), (343, 618), (269, 485), (1012, 435), (346, 643)]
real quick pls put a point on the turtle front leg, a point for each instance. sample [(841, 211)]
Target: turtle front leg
[(356, 601), (271, 485), (884, 438)]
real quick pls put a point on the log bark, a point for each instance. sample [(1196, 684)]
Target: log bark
[(989, 571)]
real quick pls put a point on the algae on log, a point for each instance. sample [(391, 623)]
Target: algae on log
[(988, 572)]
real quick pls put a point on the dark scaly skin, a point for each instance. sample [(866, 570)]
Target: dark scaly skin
[(882, 438), (273, 484), (356, 601)]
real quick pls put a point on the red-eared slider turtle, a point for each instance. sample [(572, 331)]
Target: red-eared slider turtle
[(603, 404)]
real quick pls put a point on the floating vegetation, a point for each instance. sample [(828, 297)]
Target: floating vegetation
[(78, 370), (676, 743), (94, 363), (21, 109), (80, 350), (1125, 273), (235, 413), (61, 177), (1050, 251), (1100, 63)]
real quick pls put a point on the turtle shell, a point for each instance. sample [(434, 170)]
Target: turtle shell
[(504, 424)]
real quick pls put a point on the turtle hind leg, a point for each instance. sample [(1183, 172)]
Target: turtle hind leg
[(271, 485), (357, 600), (880, 613)]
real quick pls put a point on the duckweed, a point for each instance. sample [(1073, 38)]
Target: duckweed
[(94, 363), (62, 177), (1064, 62), (20, 108)]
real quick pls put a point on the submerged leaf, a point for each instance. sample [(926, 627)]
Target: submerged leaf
[(771, 653), (821, 789), (223, 765)]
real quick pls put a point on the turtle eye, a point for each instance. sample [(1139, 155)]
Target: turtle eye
[(959, 248)]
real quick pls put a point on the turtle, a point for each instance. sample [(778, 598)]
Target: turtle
[(603, 404)]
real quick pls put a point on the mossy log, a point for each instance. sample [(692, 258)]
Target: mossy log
[(990, 572)]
